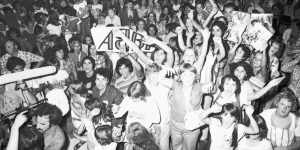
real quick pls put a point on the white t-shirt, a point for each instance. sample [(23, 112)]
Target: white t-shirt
[(145, 112), (246, 144), (54, 30)]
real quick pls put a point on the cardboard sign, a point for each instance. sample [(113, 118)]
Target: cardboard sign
[(105, 40), (257, 36), (257, 29), (237, 26)]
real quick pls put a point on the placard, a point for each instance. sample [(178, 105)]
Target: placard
[(105, 40)]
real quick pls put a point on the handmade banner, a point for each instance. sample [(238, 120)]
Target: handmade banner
[(257, 36), (256, 29), (105, 40), (237, 26)]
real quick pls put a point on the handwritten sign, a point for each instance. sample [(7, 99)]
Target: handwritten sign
[(237, 26), (105, 40), (256, 29), (257, 36)]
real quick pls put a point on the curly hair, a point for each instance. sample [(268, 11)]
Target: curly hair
[(246, 66), (54, 113), (139, 136)]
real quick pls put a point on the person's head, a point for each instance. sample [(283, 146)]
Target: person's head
[(46, 116), (129, 4), (286, 101), (275, 48), (124, 67), (218, 29), (228, 9), (230, 84), (137, 89), (139, 136), (242, 70), (242, 53), (188, 74), (256, 61), (230, 113), (159, 56), (197, 39), (15, 64), (141, 25), (75, 44), (189, 56), (88, 40), (102, 60), (103, 134), (262, 129), (10, 46), (151, 17), (103, 78), (111, 12), (152, 30), (30, 139), (88, 64), (59, 53)]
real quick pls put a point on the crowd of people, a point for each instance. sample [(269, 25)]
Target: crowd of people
[(196, 90)]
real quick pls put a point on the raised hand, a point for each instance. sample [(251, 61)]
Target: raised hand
[(20, 119)]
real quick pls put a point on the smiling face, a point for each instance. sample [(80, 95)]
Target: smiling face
[(43, 123), (229, 86), (284, 107), (159, 56), (240, 73), (87, 65), (216, 31)]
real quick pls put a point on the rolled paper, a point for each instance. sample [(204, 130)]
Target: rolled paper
[(27, 74)]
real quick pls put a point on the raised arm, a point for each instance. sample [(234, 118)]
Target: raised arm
[(14, 134), (164, 47), (134, 47), (212, 14), (201, 58), (265, 89), (181, 44)]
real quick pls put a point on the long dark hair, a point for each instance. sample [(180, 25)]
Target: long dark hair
[(236, 113)]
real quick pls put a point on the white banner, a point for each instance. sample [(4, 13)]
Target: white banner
[(105, 40), (257, 29)]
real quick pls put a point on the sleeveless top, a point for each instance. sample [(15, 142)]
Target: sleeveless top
[(221, 138), (279, 136)]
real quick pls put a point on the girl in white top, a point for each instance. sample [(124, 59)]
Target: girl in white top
[(228, 92), (249, 92), (140, 108), (224, 128), (258, 140)]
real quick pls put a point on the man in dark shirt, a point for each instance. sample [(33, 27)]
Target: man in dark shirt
[(103, 91)]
